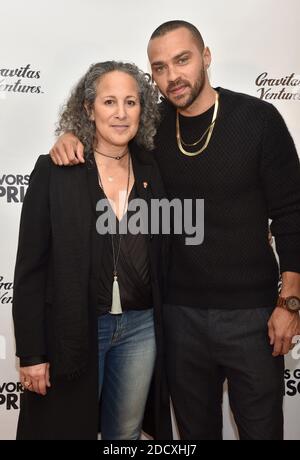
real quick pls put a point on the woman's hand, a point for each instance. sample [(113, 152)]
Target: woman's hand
[(36, 378)]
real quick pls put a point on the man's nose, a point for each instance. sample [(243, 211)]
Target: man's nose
[(172, 74)]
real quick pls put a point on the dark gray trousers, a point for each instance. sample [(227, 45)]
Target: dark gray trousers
[(205, 347)]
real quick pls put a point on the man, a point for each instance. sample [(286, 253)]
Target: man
[(221, 301)]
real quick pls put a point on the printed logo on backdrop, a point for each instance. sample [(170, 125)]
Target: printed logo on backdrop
[(2, 347), (292, 376), (9, 391), (20, 80), (284, 87), (292, 382), (6, 292), (10, 395), (13, 187)]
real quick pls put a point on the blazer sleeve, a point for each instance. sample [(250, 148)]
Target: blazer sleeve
[(32, 264)]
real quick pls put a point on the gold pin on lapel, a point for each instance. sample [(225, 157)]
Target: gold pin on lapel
[(145, 184)]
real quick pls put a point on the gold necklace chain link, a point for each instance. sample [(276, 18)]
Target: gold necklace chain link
[(208, 131)]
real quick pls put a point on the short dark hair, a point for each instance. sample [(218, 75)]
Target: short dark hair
[(176, 24)]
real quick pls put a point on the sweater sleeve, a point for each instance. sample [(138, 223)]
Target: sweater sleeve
[(32, 264), (280, 169)]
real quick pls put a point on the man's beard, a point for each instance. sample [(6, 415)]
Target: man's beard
[(195, 91)]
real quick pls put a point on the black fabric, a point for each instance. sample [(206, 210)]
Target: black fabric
[(32, 360), (133, 265), (248, 174), (205, 347), (52, 224), (55, 293)]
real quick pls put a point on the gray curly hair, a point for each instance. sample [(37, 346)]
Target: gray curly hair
[(74, 115)]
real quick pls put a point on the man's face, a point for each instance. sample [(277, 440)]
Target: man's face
[(178, 66)]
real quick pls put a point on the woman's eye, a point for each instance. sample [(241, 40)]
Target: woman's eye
[(131, 103), (109, 102)]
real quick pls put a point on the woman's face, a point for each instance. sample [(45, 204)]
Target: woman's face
[(116, 110)]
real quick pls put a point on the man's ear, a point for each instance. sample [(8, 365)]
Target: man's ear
[(206, 57)]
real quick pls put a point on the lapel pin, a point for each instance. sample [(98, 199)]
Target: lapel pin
[(145, 184)]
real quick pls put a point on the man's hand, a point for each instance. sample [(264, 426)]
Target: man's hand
[(36, 378), (67, 151), (283, 326)]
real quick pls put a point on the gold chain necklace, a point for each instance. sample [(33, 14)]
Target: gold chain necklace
[(208, 131)]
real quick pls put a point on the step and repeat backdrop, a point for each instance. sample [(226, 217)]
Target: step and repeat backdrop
[(47, 46)]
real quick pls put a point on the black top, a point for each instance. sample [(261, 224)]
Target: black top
[(57, 270), (248, 173), (133, 268)]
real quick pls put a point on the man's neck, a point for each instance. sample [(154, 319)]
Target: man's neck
[(204, 102)]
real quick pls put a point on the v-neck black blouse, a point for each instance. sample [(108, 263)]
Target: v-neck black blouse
[(133, 267)]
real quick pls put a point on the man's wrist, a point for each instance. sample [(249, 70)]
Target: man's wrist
[(290, 303), (290, 284)]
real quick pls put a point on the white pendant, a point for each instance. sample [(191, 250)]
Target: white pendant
[(116, 308), (110, 179)]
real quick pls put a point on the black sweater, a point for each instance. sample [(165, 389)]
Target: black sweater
[(248, 174)]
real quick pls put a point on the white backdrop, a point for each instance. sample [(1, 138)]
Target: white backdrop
[(46, 46)]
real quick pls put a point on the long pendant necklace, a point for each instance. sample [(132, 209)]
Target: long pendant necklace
[(208, 131), (116, 306)]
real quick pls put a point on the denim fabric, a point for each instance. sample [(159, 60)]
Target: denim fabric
[(126, 360)]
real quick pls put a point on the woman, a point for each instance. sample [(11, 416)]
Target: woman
[(86, 304)]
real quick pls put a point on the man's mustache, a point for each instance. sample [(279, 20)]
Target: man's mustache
[(176, 84)]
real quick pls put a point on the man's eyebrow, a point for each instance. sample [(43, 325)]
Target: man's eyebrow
[(182, 53), (157, 63), (179, 55)]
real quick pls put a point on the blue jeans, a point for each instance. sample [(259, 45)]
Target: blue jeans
[(126, 360)]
